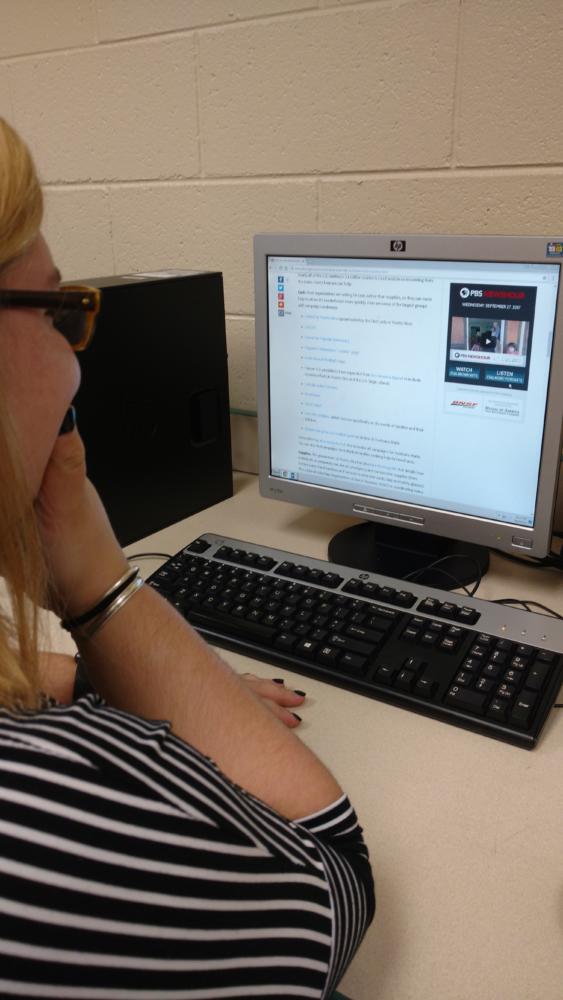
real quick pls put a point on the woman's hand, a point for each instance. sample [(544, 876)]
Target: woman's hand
[(83, 555), (279, 699)]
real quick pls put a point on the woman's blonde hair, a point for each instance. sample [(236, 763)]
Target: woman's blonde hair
[(21, 562)]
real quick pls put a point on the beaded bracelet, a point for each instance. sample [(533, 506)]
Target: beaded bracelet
[(70, 624)]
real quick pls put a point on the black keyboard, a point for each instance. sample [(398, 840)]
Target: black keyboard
[(476, 664)]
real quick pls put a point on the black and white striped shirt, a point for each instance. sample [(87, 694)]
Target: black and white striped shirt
[(131, 868)]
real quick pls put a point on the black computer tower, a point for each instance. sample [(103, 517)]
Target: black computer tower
[(153, 405)]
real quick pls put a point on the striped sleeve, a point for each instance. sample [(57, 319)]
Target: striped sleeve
[(339, 838), (131, 868)]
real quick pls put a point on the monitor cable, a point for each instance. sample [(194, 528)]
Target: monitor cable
[(436, 565)]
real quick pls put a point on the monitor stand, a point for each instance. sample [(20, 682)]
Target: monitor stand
[(397, 552)]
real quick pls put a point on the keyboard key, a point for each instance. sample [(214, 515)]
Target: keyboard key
[(464, 678), (339, 601), (492, 671), (223, 553), (465, 700), (387, 594), (319, 634), (430, 605), (468, 616), (341, 614), (265, 562), (328, 654), (385, 673), (314, 575), (306, 647), (545, 656), (505, 645), (285, 568), (479, 652), (519, 662), (350, 645), (166, 578), (505, 691), (308, 603), (414, 663), (270, 619), (285, 640), (498, 709), (353, 663), (484, 685), (425, 687), (200, 545), (230, 626), (448, 644), (335, 625), (537, 676), (448, 610), (299, 572), (429, 638), (404, 599), (386, 613), (523, 710), (358, 618), (472, 664), (513, 677), (405, 679), (239, 610), (366, 634)]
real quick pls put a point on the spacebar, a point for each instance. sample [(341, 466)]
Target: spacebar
[(221, 622)]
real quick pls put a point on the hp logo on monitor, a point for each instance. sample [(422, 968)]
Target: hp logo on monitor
[(398, 246)]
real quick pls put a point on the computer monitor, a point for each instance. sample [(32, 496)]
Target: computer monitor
[(414, 382)]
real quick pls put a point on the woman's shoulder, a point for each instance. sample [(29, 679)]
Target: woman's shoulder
[(91, 732)]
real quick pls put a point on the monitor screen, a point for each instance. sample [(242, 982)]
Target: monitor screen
[(413, 381)]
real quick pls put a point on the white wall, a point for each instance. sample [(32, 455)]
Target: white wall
[(168, 132)]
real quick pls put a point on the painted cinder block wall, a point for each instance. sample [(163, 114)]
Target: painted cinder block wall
[(168, 132)]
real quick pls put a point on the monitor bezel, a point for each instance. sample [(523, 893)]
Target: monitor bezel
[(515, 539)]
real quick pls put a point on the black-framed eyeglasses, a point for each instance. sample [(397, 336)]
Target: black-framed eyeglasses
[(73, 310)]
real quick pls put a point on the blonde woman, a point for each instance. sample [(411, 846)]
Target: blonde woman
[(209, 855)]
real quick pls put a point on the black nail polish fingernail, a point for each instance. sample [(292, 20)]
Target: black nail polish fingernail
[(298, 717), (69, 422), (301, 693), (278, 680)]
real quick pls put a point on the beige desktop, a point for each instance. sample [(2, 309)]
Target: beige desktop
[(464, 832)]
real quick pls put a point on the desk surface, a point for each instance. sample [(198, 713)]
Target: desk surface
[(465, 833)]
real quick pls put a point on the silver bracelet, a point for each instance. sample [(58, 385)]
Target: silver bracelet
[(73, 624), (89, 629)]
